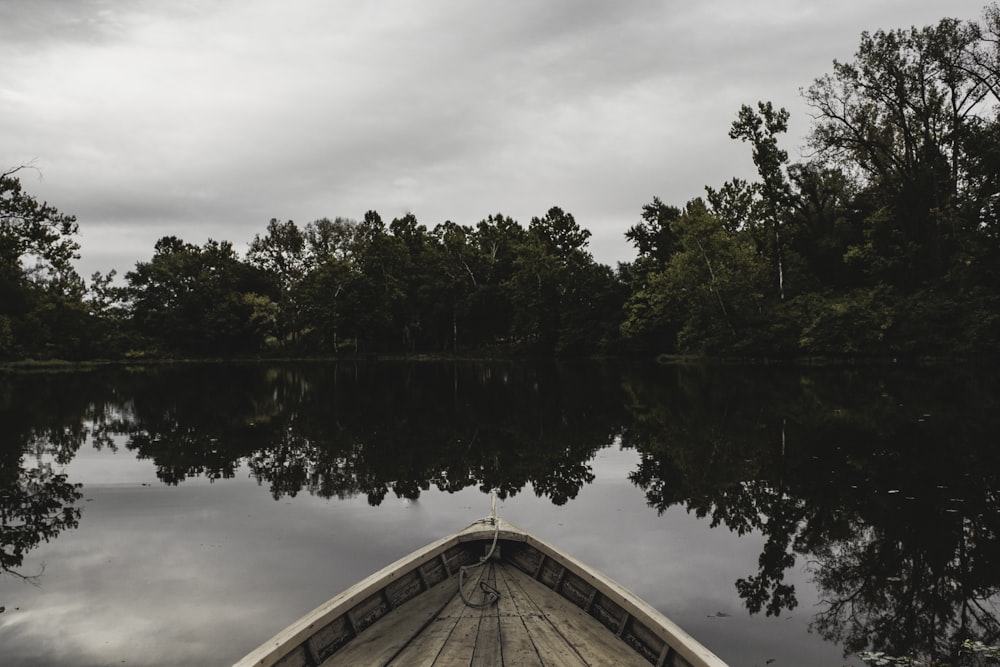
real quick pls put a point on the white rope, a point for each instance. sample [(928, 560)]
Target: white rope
[(490, 594)]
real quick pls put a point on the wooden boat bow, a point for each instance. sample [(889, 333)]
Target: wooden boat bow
[(550, 609)]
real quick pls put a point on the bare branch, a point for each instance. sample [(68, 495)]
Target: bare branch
[(30, 164)]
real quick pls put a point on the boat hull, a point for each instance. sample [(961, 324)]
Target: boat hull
[(552, 609)]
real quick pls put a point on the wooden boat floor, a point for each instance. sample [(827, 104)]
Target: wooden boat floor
[(438, 628)]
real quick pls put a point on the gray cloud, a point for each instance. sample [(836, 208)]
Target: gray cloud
[(206, 120)]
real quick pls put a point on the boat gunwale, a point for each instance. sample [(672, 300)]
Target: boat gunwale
[(300, 631)]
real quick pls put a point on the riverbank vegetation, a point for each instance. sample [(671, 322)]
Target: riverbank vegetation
[(884, 242)]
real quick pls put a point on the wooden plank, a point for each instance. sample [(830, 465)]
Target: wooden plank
[(405, 588), (460, 649), (487, 651), (379, 643), (457, 651), (590, 641), (550, 645), (297, 658), (426, 647), (331, 638), (516, 646)]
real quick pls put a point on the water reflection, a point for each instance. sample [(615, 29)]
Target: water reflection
[(884, 481), (37, 503), (339, 431), (887, 487)]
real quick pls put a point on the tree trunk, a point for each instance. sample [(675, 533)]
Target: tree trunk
[(714, 288)]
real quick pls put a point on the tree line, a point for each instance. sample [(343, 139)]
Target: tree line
[(885, 241)]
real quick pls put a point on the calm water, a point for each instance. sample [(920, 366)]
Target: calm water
[(181, 515)]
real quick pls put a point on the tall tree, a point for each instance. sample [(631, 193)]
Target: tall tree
[(760, 129), (377, 257), (107, 304), (326, 292), (462, 265), (33, 231), (896, 118), (328, 239), (41, 307), (655, 240), (281, 255), (497, 240), (552, 254), (709, 291)]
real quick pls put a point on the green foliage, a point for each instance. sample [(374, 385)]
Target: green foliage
[(772, 196), (886, 243), (858, 323), (709, 291), (563, 303), (899, 117), (41, 309), (199, 300), (33, 231), (654, 238)]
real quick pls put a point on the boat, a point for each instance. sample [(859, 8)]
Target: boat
[(491, 594)]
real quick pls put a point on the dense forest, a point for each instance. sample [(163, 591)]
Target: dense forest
[(885, 242)]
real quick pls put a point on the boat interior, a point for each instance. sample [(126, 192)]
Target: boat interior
[(486, 596)]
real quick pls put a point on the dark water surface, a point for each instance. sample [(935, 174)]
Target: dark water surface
[(181, 515)]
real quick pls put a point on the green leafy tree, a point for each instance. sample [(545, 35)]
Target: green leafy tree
[(33, 231), (199, 300), (823, 224), (496, 242), (897, 119), (709, 291), (654, 239), (281, 256), (377, 257), (647, 326), (461, 264), (327, 239), (553, 306), (327, 293), (41, 309), (420, 317), (774, 193), (110, 321)]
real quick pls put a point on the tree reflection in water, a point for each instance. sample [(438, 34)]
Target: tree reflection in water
[(339, 431), (37, 503), (883, 481)]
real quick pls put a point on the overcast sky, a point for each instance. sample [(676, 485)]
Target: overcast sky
[(206, 118)]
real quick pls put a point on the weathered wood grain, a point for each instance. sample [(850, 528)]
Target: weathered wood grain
[(452, 623), (378, 644)]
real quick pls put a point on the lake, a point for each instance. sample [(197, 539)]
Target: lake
[(182, 514)]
